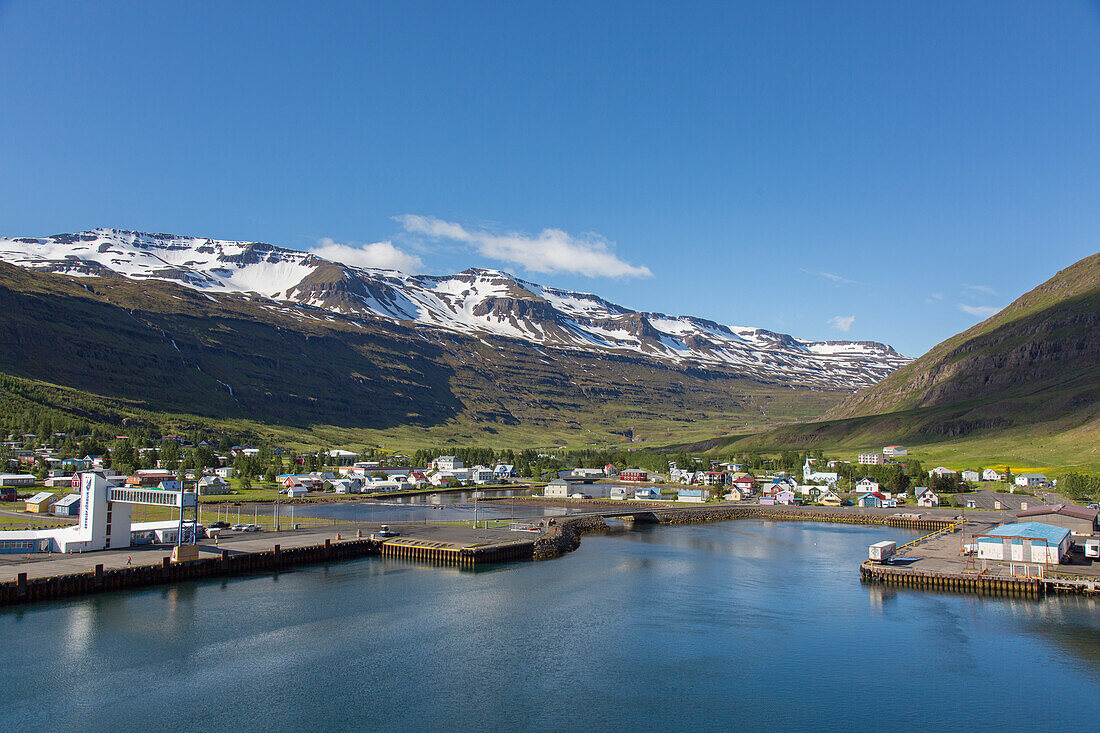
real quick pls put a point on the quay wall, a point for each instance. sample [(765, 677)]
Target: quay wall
[(100, 580)]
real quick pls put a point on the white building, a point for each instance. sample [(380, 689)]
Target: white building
[(825, 477), (872, 459), (865, 484), (992, 474), (970, 476), (16, 479), (926, 497), (99, 501), (224, 472), (482, 475), (447, 463), (558, 489), (1025, 542), (941, 471), (895, 451), (1031, 479)]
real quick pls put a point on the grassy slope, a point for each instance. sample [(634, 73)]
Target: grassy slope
[(117, 352), (1021, 389)]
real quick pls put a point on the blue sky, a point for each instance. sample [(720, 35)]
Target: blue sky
[(883, 171)]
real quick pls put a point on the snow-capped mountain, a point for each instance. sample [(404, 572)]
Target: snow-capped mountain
[(475, 302)]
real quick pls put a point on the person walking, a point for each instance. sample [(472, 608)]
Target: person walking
[(129, 559)]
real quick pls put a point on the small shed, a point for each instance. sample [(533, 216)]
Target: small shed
[(296, 492), (39, 503), (66, 506)]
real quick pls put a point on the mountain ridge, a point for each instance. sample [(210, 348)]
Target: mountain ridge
[(476, 302)]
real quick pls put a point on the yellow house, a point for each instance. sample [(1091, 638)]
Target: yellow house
[(39, 503), (829, 498)]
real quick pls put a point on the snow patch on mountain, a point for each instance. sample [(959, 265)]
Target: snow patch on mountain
[(476, 302)]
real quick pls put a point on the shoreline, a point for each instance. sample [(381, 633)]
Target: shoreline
[(461, 546)]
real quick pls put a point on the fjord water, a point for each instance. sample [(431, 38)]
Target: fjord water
[(737, 625)]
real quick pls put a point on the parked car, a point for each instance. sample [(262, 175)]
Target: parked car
[(579, 495), (252, 528), (387, 532), (219, 525), (239, 527)]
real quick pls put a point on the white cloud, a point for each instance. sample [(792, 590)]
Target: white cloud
[(842, 323), (377, 254), (984, 311), (550, 251), (981, 289), (934, 297), (837, 279)]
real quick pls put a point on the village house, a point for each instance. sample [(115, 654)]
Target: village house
[(558, 489), (872, 500), (224, 472), (926, 497), (941, 471), (895, 451), (734, 494), (992, 474), (697, 496), (505, 470), (970, 476), (1027, 480), (865, 485), (212, 486), (829, 498), (648, 494), (872, 459), (633, 474), (786, 496)]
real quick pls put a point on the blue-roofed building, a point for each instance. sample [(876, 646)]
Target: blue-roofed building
[(694, 495), (1025, 542)]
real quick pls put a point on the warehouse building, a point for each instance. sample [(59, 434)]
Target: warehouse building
[(1025, 542), (1076, 519)]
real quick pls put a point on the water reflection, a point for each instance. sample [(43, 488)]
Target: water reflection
[(721, 620)]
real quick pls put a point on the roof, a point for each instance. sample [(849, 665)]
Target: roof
[(40, 497), (1028, 530), (67, 500), (1032, 475), (1066, 510)]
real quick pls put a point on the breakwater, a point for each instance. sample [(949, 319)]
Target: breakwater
[(565, 535), (775, 513)]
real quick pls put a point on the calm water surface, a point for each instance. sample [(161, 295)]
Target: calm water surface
[(729, 626)]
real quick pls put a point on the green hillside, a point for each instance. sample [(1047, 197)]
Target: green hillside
[(1022, 387), (149, 353)]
